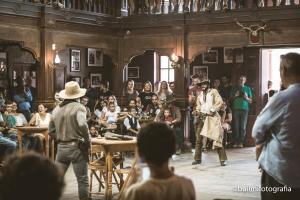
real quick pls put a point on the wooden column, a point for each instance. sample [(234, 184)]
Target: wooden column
[(186, 84), (45, 79), (118, 70)]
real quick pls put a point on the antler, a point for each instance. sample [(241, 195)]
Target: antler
[(241, 25), (252, 28)]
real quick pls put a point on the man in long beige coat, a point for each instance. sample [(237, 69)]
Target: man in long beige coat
[(209, 102)]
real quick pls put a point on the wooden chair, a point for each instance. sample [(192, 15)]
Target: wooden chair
[(98, 168), (131, 177)]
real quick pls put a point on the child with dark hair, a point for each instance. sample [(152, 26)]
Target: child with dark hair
[(131, 122), (31, 177), (156, 144)]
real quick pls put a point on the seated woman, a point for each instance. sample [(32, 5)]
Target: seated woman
[(41, 119), (98, 111), (20, 118), (111, 99), (164, 92), (129, 92)]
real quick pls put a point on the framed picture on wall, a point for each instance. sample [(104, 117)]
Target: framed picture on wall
[(202, 71), (95, 80), (3, 61), (75, 60), (76, 79), (133, 72), (210, 57), (95, 57), (230, 52)]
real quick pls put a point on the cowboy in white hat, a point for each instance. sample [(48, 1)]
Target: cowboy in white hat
[(69, 126), (209, 102)]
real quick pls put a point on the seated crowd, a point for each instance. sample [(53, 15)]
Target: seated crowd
[(137, 108)]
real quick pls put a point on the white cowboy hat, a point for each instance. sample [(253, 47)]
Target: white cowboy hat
[(72, 91)]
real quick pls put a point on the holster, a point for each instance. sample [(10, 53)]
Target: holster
[(84, 147)]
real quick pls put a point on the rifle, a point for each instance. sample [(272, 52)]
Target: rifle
[(113, 136)]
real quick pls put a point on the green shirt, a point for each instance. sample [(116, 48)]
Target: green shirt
[(240, 103)]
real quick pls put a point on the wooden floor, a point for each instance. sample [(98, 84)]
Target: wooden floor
[(211, 181)]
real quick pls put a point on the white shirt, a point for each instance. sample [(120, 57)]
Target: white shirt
[(118, 109), (98, 113), (212, 103), (127, 124), (42, 122), (112, 117), (20, 119)]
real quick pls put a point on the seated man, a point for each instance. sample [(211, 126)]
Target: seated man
[(10, 122), (6, 145), (156, 144), (30, 177), (153, 108)]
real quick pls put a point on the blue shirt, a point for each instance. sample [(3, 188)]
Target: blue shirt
[(23, 100), (280, 157)]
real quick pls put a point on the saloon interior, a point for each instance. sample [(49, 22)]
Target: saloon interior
[(56, 41)]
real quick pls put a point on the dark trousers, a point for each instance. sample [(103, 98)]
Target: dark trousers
[(192, 130), (270, 182), (199, 144), (240, 118), (179, 137)]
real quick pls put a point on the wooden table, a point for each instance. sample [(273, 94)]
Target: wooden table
[(111, 146), (26, 130)]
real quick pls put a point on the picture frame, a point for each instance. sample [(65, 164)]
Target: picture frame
[(133, 72), (230, 52), (95, 57), (3, 61), (75, 60), (96, 79), (76, 79), (202, 71), (210, 57)]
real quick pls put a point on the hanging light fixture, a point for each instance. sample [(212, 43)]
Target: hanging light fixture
[(174, 61), (57, 59)]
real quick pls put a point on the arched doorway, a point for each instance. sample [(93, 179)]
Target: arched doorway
[(19, 66)]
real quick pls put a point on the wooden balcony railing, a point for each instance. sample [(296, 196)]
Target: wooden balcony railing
[(97, 6), (149, 7), (193, 6)]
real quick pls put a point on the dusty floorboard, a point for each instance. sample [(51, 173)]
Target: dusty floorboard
[(211, 181)]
